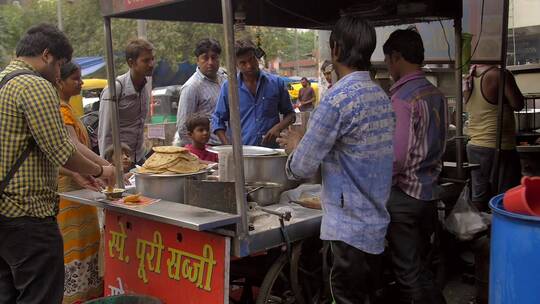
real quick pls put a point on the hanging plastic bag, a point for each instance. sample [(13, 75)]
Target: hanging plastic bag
[(465, 221)]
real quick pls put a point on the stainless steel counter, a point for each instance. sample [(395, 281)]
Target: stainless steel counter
[(180, 215), (266, 233)]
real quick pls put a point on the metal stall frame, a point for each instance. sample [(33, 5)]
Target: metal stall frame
[(322, 15)]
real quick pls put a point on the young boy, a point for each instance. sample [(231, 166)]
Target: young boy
[(127, 160), (199, 131)]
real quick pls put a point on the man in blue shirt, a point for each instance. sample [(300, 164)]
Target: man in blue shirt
[(350, 136), (262, 98)]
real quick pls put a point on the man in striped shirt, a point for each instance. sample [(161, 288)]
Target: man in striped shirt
[(200, 93), (419, 141)]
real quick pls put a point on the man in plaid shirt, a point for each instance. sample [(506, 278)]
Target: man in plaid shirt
[(31, 247)]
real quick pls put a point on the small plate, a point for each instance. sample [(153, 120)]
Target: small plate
[(117, 193)]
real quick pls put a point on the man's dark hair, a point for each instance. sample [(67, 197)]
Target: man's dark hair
[(325, 64), (206, 45), (197, 121), (406, 42), (355, 39), (68, 69), (242, 47), (136, 47), (44, 36)]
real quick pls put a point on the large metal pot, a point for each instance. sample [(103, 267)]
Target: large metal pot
[(169, 187), (264, 193), (257, 168), (268, 169)]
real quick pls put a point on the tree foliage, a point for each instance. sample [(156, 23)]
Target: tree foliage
[(174, 41)]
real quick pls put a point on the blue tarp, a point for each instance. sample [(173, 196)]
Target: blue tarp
[(89, 65), (163, 74)]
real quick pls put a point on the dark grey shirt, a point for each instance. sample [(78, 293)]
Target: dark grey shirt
[(133, 108)]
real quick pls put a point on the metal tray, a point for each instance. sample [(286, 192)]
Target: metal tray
[(247, 150)]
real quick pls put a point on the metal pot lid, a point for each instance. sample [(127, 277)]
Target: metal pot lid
[(247, 150), (171, 175)]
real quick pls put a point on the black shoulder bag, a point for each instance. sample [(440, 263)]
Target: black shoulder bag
[(31, 143)]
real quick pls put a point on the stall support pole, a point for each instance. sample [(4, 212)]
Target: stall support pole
[(117, 157), (500, 101), (459, 98), (234, 118)]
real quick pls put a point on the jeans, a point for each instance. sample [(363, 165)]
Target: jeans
[(31, 261), (484, 181), (412, 222), (355, 275)]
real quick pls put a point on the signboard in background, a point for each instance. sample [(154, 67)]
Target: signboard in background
[(484, 24), (174, 264), (433, 34), (121, 6), (156, 131)]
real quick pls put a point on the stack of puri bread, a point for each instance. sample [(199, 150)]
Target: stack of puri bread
[(172, 160)]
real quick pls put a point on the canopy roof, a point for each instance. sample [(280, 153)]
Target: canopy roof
[(307, 14)]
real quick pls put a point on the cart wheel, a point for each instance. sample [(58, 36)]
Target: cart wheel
[(293, 281), (276, 286)]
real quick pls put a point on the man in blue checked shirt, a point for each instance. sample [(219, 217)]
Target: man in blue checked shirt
[(350, 136), (263, 97)]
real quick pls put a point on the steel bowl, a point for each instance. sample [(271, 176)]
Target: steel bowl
[(264, 193), (115, 194), (169, 187)]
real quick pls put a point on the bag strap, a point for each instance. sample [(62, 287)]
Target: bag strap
[(31, 142)]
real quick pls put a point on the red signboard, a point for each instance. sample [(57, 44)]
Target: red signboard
[(174, 264), (134, 4)]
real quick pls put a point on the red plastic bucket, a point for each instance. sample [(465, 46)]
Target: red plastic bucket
[(525, 198)]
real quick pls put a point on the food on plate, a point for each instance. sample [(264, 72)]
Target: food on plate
[(133, 198), (187, 167), (161, 160), (312, 202), (172, 160), (110, 189), (169, 149)]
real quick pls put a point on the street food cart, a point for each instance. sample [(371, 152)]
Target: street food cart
[(186, 253)]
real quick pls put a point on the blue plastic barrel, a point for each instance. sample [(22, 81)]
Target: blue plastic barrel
[(515, 257)]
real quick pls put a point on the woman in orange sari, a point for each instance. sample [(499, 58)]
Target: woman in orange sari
[(78, 223)]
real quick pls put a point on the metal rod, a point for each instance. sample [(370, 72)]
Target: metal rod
[(111, 81), (141, 29), (459, 98), (500, 102), (234, 117), (59, 15)]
